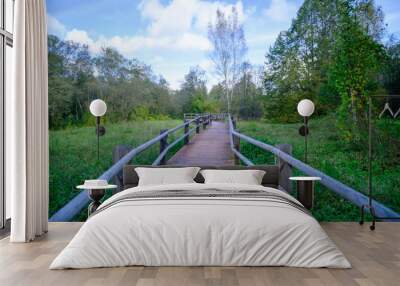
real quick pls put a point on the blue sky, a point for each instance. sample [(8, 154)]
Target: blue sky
[(171, 35)]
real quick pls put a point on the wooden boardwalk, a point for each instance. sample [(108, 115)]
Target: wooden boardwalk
[(210, 147)]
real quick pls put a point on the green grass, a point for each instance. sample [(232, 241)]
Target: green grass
[(73, 154), (73, 158), (328, 154)]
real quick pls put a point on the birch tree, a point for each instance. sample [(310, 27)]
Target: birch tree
[(229, 49)]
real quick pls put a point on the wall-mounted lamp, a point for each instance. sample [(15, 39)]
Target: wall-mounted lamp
[(305, 108), (98, 108)]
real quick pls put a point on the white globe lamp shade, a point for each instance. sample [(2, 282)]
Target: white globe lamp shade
[(305, 108), (98, 107)]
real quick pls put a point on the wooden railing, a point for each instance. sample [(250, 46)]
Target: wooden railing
[(79, 202), (213, 116), (332, 184)]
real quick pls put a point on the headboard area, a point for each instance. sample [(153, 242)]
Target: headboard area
[(271, 177)]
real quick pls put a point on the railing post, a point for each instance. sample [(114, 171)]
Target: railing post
[(119, 152), (198, 125), (285, 169), (186, 140), (236, 144), (163, 145)]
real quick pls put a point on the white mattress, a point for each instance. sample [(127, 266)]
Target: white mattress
[(202, 232)]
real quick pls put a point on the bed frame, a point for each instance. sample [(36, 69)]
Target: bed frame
[(272, 178)]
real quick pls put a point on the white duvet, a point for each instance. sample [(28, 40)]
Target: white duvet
[(200, 231)]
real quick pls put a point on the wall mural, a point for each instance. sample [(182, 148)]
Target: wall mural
[(155, 66)]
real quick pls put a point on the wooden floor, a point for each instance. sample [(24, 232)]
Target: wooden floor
[(375, 257), (210, 147)]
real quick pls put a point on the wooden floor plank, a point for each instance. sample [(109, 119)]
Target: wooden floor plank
[(375, 257), (209, 147)]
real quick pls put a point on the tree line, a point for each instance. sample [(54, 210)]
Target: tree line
[(129, 87), (133, 91), (333, 53)]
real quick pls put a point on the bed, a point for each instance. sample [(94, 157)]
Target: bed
[(197, 224)]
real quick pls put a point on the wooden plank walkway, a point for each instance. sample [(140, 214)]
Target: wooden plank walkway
[(210, 147)]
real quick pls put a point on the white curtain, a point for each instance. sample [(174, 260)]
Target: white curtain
[(27, 124)]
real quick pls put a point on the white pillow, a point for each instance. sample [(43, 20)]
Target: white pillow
[(166, 176), (247, 177)]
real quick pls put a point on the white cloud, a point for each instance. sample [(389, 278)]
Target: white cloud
[(182, 16), (81, 37), (128, 46), (157, 60), (205, 12), (194, 42), (206, 65), (180, 25), (55, 27), (281, 10), (173, 19), (174, 37)]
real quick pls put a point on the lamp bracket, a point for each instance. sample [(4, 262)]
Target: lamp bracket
[(303, 130), (100, 130)]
